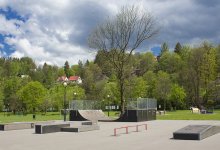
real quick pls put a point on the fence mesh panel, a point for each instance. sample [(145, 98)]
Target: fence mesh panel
[(141, 104), (85, 105), (131, 104)]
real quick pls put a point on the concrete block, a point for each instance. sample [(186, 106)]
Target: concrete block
[(196, 132), (50, 128), (16, 126)]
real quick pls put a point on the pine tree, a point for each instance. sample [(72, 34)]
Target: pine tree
[(67, 69), (164, 48), (178, 48)]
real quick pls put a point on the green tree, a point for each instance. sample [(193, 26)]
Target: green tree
[(103, 63), (194, 76), (80, 70), (138, 87), (162, 87), (178, 48), (50, 75), (1, 96), (177, 97), (150, 79), (27, 66), (67, 69), (209, 65), (201, 71), (61, 72), (170, 62), (218, 58), (164, 48), (11, 86), (121, 35), (56, 94), (92, 81), (111, 89), (32, 95), (78, 93), (11, 67), (147, 62)]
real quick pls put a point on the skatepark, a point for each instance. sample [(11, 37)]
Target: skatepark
[(124, 133), (159, 135), (140, 109)]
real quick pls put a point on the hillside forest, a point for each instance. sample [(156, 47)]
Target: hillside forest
[(180, 78)]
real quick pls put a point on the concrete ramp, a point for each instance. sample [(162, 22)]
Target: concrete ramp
[(92, 115), (98, 115), (196, 132)]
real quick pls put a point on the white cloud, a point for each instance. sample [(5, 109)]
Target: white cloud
[(45, 35), (57, 30), (2, 53), (1, 46), (8, 27)]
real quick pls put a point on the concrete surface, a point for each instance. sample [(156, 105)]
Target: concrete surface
[(157, 137)]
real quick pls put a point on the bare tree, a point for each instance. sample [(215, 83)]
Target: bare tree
[(119, 36)]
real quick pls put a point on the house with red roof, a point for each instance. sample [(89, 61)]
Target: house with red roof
[(73, 79), (62, 79)]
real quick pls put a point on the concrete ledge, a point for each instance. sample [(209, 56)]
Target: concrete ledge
[(196, 132), (50, 128), (82, 128), (16, 126)]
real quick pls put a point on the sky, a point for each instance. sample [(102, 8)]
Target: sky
[(54, 31)]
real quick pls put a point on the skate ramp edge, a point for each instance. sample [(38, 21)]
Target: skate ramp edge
[(92, 115)]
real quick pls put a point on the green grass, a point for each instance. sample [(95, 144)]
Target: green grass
[(113, 114), (187, 115), (9, 117), (174, 115)]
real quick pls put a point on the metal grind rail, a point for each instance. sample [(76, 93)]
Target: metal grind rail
[(127, 127)]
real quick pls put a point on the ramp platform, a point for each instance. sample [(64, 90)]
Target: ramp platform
[(196, 132)]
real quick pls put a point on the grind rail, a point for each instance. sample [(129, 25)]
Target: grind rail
[(127, 127)]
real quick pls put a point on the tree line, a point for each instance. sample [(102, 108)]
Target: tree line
[(180, 78), (187, 76)]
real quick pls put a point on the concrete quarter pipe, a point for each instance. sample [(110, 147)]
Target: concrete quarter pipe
[(92, 115), (98, 115)]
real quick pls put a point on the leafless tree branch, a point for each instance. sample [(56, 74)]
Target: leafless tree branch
[(121, 35)]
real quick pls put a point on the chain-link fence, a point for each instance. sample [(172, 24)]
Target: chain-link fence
[(141, 104), (131, 104), (85, 105)]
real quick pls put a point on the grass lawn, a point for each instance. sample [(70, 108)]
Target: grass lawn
[(174, 115), (113, 114), (7, 118), (188, 115)]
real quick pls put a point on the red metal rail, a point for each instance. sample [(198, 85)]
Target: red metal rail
[(127, 127)]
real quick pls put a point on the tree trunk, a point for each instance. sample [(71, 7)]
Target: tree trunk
[(121, 84), (34, 115), (164, 106)]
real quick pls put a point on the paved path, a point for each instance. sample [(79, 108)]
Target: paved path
[(157, 137)]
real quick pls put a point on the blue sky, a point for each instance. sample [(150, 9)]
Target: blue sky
[(54, 31)]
